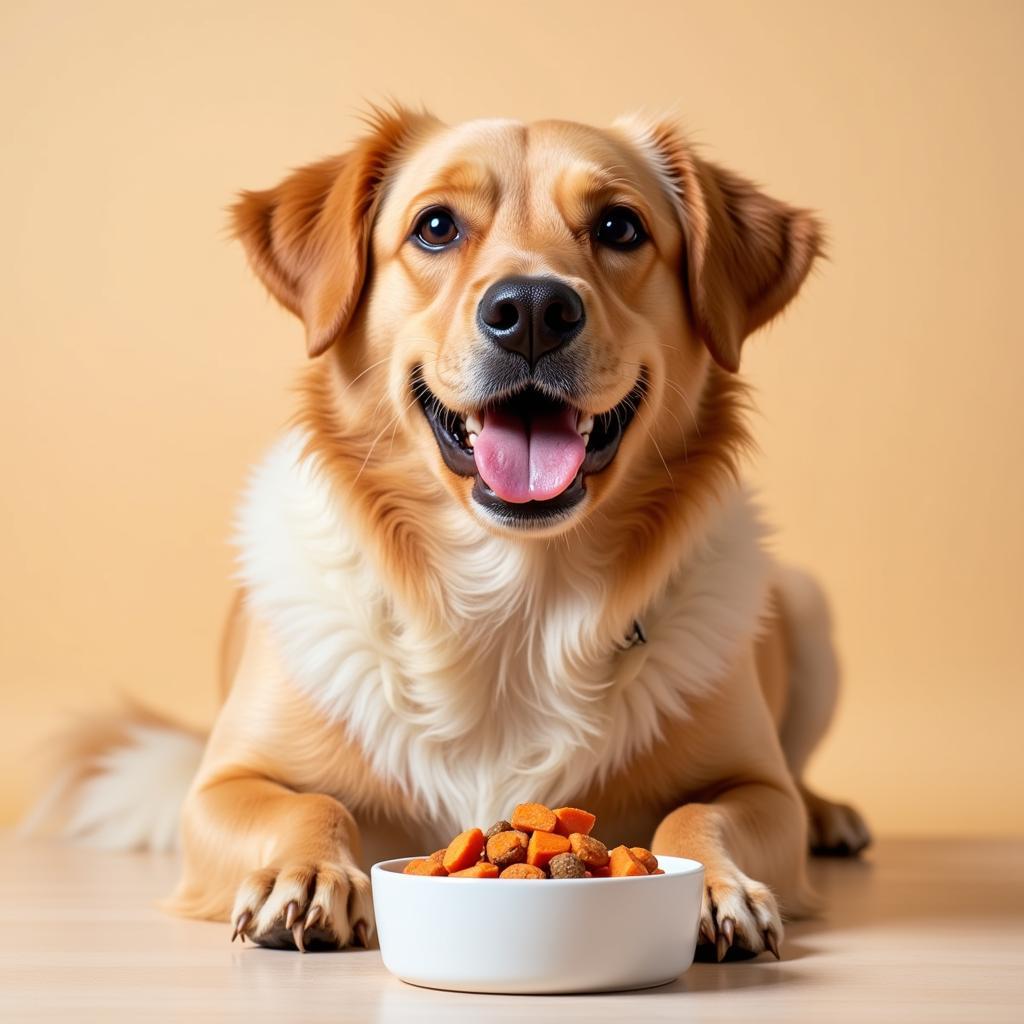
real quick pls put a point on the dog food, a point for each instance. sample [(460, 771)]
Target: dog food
[(536, 842)]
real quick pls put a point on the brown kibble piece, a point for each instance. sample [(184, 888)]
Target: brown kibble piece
[(591, 851), (645, 857), (507, 848), (658, 871), (463, 851), (480, 870), (623, 864), (566, 865), (522, 871), (498, 826), (534, 818), (427, 866)]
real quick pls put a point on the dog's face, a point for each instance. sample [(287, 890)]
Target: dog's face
[(546, 299)]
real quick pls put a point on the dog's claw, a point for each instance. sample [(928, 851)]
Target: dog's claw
[(726, 933), (311, 918), (360, 932), (291, 914), (299, 937), (772, 943), (707, 933), (241, 924)]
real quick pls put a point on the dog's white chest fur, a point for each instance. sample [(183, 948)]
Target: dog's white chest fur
[(516, 697)]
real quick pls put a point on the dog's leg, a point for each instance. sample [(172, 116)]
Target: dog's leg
[(834, 829), (749, 830), (281, 864)]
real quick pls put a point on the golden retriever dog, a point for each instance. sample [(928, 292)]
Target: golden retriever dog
[(504, 554)]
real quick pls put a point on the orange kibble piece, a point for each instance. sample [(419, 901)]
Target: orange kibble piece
[(463, 851), (572, 819), (645, 857), (623, 864), (522, 871), (482, 869), (427, 866), (534, 818), (543, 846), (591, 851), (507, 848)]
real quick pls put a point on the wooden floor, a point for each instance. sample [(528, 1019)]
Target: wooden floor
[(930, 931)]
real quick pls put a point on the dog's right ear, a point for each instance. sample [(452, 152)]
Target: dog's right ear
[(308, 238)]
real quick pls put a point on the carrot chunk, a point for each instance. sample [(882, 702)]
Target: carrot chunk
[(482, 869), (534, 818), (572, 819), (543, 846), (645, 857), (427, 866), (622, 863), (522, 871), (463, 851)]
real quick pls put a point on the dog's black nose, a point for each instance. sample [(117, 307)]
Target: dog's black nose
[(530, 315)]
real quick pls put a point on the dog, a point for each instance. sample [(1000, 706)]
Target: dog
[(505, 553)]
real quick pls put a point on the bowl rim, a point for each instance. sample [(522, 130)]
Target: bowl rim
[(682, 867)]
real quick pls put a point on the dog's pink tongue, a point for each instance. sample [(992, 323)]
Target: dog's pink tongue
[(532, 461)]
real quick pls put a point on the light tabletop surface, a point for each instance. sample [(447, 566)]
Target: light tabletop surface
[(919, 930)]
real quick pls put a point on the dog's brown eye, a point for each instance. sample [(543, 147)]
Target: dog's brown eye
[(619, 228), (436, 228)]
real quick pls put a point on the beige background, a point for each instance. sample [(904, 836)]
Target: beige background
[(143, 368)]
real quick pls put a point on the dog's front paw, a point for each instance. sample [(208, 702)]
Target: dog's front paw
[(305, 906), (739, 918)]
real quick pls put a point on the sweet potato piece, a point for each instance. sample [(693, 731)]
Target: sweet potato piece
[(482, 869), (522, 871), (543, 846), (507, 848), (572, 819), (591, 851), (622, 863), (534, 818), (649, 861), (463, 851), (438, 855), (426, 866)]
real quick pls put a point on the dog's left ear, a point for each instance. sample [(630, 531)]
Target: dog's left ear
[(747, 254), (308, 238)]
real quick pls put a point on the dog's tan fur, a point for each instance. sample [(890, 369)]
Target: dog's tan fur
[(269, 837)]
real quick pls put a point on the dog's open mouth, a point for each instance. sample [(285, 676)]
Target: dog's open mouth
[(530, 454)]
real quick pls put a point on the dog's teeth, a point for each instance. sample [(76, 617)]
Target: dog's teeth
[(471, 439), (473, 424), (585, 425), (586, 440)]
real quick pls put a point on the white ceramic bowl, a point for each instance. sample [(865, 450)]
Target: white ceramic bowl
[(533, 936)]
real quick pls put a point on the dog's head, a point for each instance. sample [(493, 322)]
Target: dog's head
[(536, 308)]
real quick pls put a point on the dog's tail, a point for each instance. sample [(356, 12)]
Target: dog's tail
[(120, 781)]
